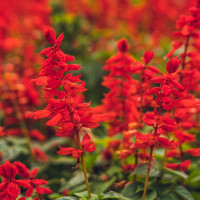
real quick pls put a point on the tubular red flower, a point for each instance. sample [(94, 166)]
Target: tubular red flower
[(173, 65)]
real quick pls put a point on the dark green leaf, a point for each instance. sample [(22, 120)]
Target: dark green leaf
[(113, 195), (177, 173), (84, 196), (142, 170), (135, 191), (183, 192), (99, 186), (67, 198), (169, 196)]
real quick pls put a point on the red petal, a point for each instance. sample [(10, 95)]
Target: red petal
[(54, 120), (41, 190), (23, 183), (23, 171), (154, 90), (39, 182), (123, 45), (86, 140), (34, 172), (29, 192), (90, 147), (59, 40), (50, 35), (77, 153), (65, 150)]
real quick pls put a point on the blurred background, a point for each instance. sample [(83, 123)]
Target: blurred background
[(91, 28)]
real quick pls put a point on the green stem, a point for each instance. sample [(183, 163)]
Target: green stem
[(83, 165), (148, 171)]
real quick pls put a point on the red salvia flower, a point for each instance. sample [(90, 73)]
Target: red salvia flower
[(64, 108), (9, 187), (86, 144), (34, 184)]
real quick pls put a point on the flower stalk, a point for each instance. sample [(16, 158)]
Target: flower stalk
[(83, 165), (148, 171)]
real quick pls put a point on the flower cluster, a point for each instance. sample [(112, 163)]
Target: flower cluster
[(20, 31), (10, 186), (61, 90), (122, 88), (187, 37)]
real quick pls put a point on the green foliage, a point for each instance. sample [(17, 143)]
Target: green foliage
[(135, 191), (177, 173), (67, 198), (103, 196), (183, 192), (142, 170)]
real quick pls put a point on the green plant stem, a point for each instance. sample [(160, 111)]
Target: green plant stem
[(83, 165), (148, 171)]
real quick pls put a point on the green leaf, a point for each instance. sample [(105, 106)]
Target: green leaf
[(113, 195), (196, 194), (194, 179), (142, 170), (67, 198), (55, 196), (113, 170), (99, 186), (76, 179), (169, 196), (183, 192), (135, 191), (177, 173), (84, 196)]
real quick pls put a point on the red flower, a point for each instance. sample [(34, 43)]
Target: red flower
[(148, 56), (182, 166), (184, 137), (123, 45), (35, 134), (185, 165), (128, 168), (173, 153), (165, 143), (34, 184), (86, 145), (40, 155), (10, 186), (145, 140), (124, 153), (50, 35), (62, 94), (194, 152), (173, 65)]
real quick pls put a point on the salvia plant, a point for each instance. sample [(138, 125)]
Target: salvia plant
[(140, 141)]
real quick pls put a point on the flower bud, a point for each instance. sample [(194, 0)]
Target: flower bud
[(173, 65), (123, 45)]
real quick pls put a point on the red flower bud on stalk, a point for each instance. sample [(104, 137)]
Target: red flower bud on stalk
[(173, 65)]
